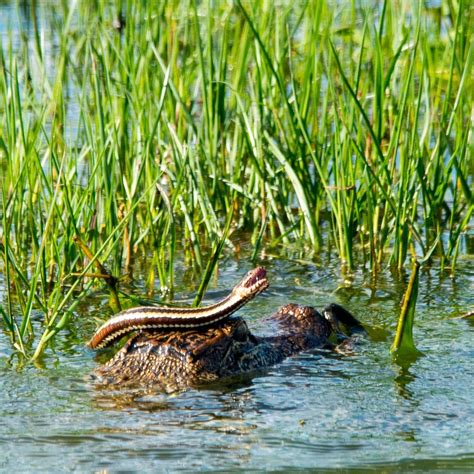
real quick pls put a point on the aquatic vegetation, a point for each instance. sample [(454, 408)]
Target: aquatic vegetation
[(143, 129), (403, 345)]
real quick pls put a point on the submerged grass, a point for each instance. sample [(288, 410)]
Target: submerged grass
[(142, 128)]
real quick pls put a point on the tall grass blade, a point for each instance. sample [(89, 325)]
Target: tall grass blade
[(212, 262)]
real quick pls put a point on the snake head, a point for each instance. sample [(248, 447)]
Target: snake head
[(252, 284)]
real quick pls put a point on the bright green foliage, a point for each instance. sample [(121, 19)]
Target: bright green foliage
[(403, 344), (142, 126)]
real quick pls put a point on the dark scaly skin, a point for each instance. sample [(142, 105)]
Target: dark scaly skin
[(177, 359)]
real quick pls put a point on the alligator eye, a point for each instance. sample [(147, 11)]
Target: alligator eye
[(241, 332)]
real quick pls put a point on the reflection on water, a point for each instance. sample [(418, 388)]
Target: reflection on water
[(403, 380), (405, 376)]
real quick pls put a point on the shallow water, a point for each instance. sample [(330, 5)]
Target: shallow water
[(316, 410)]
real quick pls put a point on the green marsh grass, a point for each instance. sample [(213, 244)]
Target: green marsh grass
[(151, 128)]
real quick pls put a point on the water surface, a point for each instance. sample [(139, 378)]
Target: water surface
[(314, 410)]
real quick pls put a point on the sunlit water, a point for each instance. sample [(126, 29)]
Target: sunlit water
[(314, 410)]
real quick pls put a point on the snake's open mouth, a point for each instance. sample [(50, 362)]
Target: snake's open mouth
[(256, 278)]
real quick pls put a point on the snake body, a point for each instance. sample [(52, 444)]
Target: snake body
[(149, 317)]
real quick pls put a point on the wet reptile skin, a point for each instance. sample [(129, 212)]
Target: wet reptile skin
[(184, 358)]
